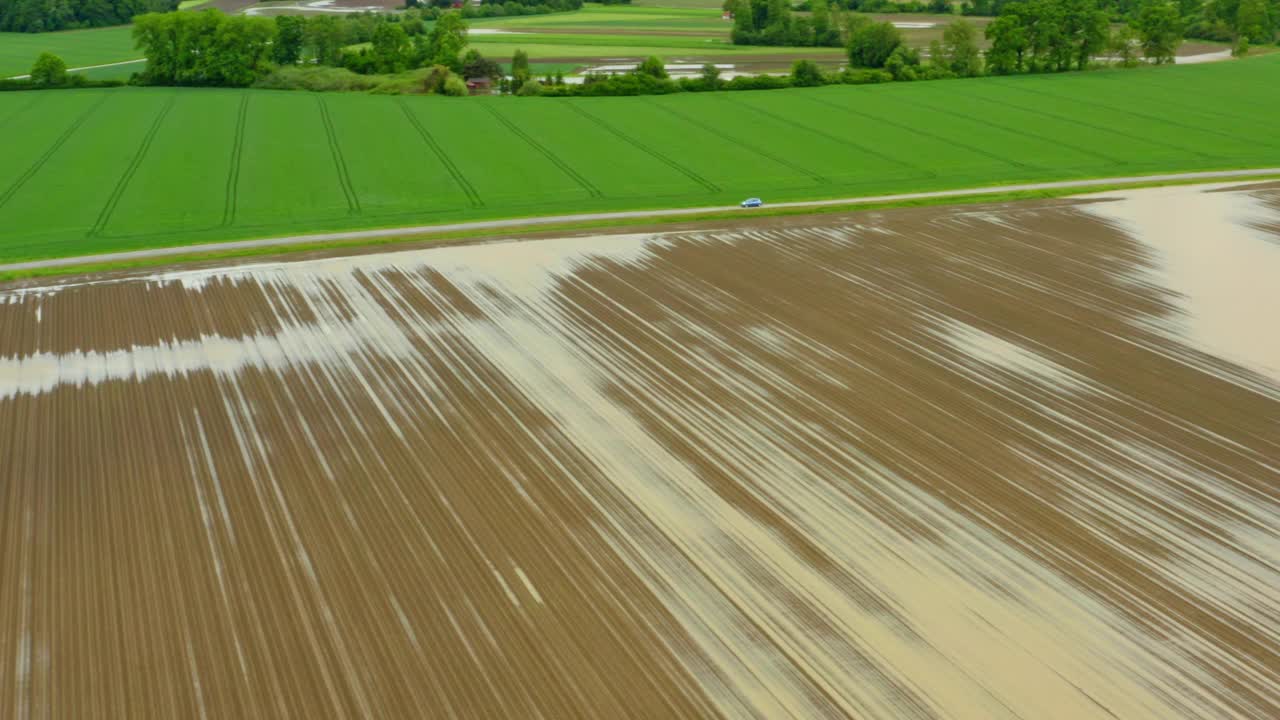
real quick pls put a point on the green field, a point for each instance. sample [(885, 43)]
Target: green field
[(109, 170), (79, 48)]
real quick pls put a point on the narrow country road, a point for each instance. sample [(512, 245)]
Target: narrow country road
[(86, 67), (528, 223)]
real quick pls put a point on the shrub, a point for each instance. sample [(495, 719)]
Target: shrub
[(454, 86), (49, 71), (805, 73), (653, 67), (871, 44)]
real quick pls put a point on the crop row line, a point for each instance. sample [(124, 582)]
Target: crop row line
[(646, 149), (757, 149), (344, 176), (123, 183), (1011, 129), (20, 109), (1143, 116), (515, 130), (231, 198), (1084, 124), (1162, 98), (828, 136), (40, 161), (933, 136), (438, 151), (1163, 92)]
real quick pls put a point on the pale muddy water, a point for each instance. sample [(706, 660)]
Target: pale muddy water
[(1017, 461)]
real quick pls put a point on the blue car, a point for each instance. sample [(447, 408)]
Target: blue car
[(752, 202)]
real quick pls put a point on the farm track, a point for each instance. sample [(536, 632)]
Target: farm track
[(915, 129), (1165, 119), (340, 163), (924, 173), (1012, 130), (546, 152), (660, 157), (109, 207), (961, 462), (233, 171), (756, 148), (53, 149), (454, 172), (1090, 126)]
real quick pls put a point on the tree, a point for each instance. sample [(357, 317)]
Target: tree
[(49, 15), (49, 71), (805, 73), (653, 67), (447, 39), (475, 65), (960, 49), (241, 51), (290, 32), (1087, 29), (324, 36), (390, 48), (871, 44), (519, 70), (710, 76), (1160, 30), (1253, 21), (1009, 44), (1124, 46), (903, 64), (204, 48)]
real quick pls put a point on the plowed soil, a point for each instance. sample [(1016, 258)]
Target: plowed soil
[(967, 463)]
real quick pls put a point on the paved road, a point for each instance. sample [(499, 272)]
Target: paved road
[(639, 215)]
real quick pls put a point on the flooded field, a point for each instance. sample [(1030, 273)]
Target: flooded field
[(979, 462)]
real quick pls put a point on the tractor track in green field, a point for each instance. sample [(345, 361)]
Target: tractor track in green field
[(1012, 130), (104, 216), (1090, 126), (546, 152), (788, 122), (44, 158), (456, 173), (340, 163), (819, 179), (984, 152), (233, 171), (646, 149), (1162, 119)]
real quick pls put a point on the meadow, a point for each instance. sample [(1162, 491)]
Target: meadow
[(78, 48), (129, 168)]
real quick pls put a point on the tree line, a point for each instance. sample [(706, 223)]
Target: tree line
[(49, 15), (212, 49), (1254, 21)]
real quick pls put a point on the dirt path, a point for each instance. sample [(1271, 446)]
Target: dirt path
[(517, 223)]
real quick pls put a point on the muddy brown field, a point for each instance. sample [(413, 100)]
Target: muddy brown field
[(1015, 461)]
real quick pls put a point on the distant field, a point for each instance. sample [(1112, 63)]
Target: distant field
[(124, 169), (603, 33), (79, 48)]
